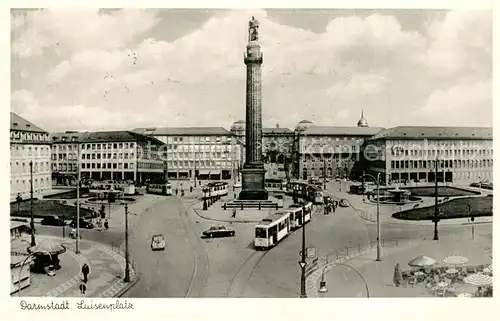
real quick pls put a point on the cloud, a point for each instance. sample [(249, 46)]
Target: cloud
[(470, 102), (121, 67), (81, 29)]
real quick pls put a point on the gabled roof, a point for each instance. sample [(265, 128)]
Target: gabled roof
[(183, 131), (21, 124), (426, 132), (341, 131), (117, 136), (280, 130)]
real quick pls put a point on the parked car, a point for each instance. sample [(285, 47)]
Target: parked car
[(158, 242), (218, 231), (83, 224), (53, 221)]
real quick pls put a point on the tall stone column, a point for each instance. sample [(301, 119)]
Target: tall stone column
[(253, 171)]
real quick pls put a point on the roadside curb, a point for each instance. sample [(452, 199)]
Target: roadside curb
[(312, 279), (115, 289)]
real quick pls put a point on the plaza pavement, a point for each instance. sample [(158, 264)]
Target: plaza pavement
[(106, 272), (342, 282)]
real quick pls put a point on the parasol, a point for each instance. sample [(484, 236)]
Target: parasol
[(422, 261), (456, 259), (478, 279)]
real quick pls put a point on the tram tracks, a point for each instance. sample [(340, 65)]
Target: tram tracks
[(239, 282), (200, 258)]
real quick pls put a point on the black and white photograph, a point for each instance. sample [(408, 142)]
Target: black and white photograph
[(251, 153)]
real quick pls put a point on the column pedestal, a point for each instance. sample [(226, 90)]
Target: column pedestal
[(253, 187)]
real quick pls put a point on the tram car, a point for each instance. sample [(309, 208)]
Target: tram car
[(298, 216), (216, 189), (159, 188), (271, 230)]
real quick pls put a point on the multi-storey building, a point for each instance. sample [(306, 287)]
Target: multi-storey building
[(116, 155), (64, 157), (277, 148), (201, 152), (29, 144), (329, 151), (410, 154)]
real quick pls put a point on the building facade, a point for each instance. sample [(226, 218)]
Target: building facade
[(277, 148), (64, 157), (108, 155), (197, 152), (29, 144), (329, 151), (408, 154)]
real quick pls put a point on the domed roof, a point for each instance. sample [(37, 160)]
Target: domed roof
[(304, 124), (362, 122), (238, 126)]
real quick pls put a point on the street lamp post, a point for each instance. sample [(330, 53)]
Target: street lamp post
[(324, 289), (78, 180), (436, 208), (379, 249), (127, 268), (303, 262), (32, 223)]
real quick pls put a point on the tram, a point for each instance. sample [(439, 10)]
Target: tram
[(298, 216), (157, 188), (271, 230), (216, 189), (306, 191)]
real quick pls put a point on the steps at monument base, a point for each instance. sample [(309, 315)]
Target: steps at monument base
[(250, 204)]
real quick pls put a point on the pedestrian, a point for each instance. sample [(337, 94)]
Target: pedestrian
[(176, 192), (85, 272), (83, 288), (190, 189), (182, 192), (106, 224), (398, 275), (234, 212)]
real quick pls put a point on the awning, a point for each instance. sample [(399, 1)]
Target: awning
[(209, 171), (203, 172)]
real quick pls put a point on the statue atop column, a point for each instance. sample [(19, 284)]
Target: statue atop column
[(253, 29)]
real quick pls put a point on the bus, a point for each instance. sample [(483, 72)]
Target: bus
[(159, 188), (271, 230)]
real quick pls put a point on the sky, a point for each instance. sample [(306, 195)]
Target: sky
[(86, 69)]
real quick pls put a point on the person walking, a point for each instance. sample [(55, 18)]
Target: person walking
[(83, 288), (234, 212), (85, 272), (398, 275), (106, 224)]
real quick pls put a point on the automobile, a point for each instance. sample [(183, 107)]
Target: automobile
[(218, 231), (83, 224), (344, 203), (53, 221), (158, 242)]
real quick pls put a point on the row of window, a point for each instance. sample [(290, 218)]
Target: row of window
[(329, 149), (442, 153), (193, 139), (329, 139), (24, 167), (65, 167), (469, 163), (24, 184), (199, 148), (108, 165), (19, 136), (150, 165), (188, 156), (199, 164), (108, 146), (20, 150), (440, 143)]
